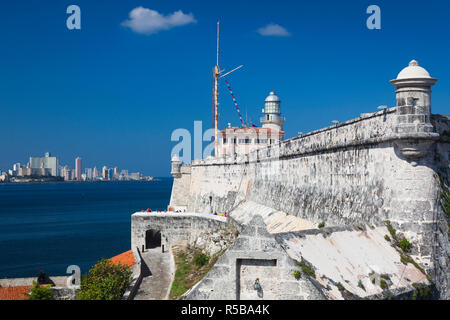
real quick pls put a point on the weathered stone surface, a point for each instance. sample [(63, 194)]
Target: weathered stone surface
[(246, 262)]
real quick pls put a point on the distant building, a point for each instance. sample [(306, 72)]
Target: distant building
[(66, 173), (89, 174), (16, 167), (116, 173), (78, 167), (36, 164), (111, 174), (135, 176), (105, 173), (4, 177), (94, 173), (242, 140)]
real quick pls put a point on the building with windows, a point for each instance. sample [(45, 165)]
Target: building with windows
[(46, 165), (78, 167), (242, 140), (105, 173)]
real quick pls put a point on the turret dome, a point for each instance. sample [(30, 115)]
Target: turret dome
[(272, 97), (413, 71)]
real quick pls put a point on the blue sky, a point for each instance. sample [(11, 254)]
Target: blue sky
[(114, 96)]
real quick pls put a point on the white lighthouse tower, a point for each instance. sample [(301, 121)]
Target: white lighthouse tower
[(272, 114)]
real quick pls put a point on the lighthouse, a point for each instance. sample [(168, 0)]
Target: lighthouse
[(272, 114)]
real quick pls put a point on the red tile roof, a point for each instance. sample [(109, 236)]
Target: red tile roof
[(126, 258), (14, 293)]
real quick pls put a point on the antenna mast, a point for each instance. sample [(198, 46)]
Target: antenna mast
[(216, 74)]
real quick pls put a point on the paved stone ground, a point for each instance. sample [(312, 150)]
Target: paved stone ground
[(157, 276)]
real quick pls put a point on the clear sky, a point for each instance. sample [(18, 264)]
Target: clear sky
[(113, 92)]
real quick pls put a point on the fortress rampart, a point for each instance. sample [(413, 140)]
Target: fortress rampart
[(386, 165)]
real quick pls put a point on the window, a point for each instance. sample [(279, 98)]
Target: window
[(224, 140), (245, 141), (261, 141)]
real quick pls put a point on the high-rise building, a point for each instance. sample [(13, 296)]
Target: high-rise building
[(95, 173), (116, 173), (111, 174), (66, 173), (46, 162), (16, 166), (105, 172), (78, 167), (89, 173)]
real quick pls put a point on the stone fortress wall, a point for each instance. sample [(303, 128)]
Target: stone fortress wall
[(386, 165), (173, 227)]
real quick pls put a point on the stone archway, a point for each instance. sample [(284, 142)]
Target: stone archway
[(152, 239)]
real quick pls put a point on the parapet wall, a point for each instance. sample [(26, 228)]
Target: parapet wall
[(174, 227)]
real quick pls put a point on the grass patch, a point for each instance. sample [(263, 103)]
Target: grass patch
[(321, 225), (387, 238), (200, 259), (297, 274), (191, 266)]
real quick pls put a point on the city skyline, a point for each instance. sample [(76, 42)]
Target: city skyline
[(49, 166), (108, 91)]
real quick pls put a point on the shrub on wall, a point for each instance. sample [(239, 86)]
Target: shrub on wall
[(38, 292), (105, 281), (201, 259)]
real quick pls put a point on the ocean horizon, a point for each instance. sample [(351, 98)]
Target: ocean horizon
[(51, 226)]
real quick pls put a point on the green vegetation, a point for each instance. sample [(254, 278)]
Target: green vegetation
[(387, 238), (307, 269), (385, 276), (321, 225), (391, 230), (200, 259), (297, 274), (405, 245), (340, 287), (422, 292), (38, 292), (383, 284), (105, 281)]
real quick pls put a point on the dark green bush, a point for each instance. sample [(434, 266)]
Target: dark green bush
[(405, 245), (307, 269), (38, 292), (105, 281), (200, 259)]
